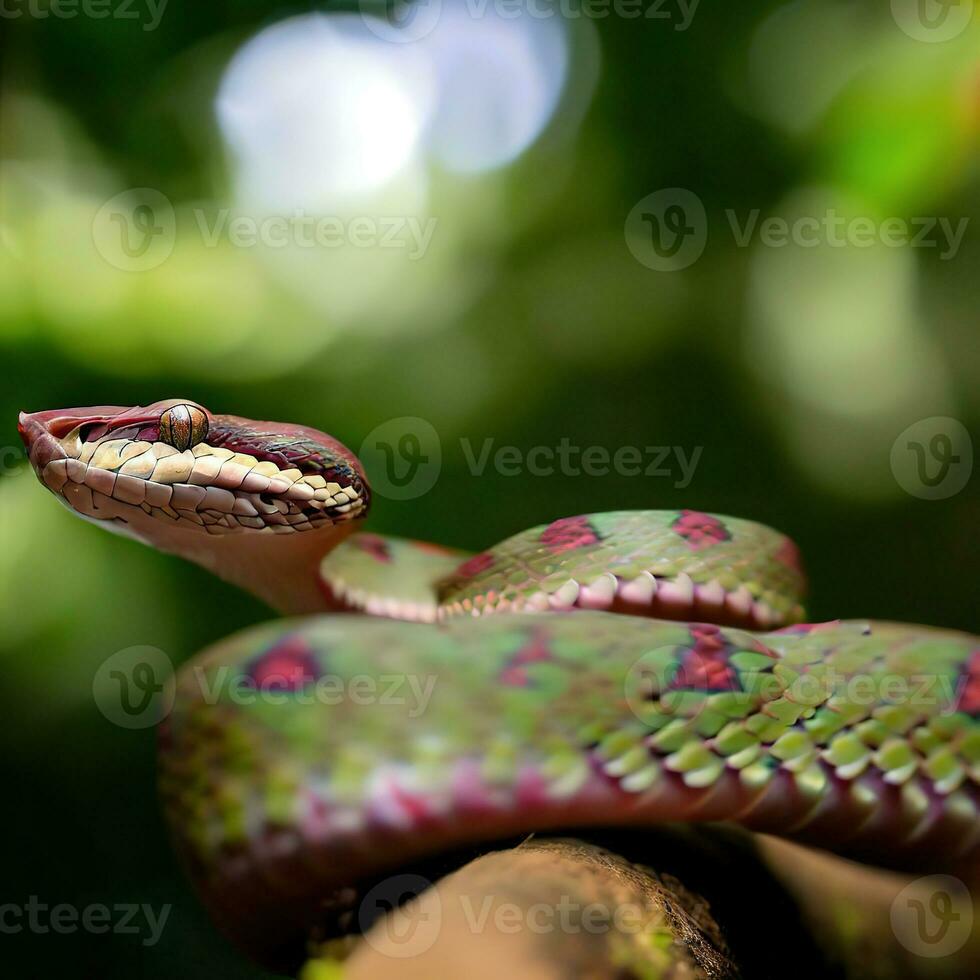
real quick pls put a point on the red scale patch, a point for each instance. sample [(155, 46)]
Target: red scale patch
[(700, 530), (708, 638), (706, 666), (514, 677), (704, 672), (374, 546), (413, 805), (789, 555), (288, 666), (475, 565), (569, 533), (969, 701)]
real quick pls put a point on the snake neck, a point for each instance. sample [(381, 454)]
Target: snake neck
[(281, 570)]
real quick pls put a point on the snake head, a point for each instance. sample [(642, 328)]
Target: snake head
[(217, 489)]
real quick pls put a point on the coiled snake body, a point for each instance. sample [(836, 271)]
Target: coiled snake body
[(611, 669)]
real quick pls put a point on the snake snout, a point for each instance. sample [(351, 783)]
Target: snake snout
[(42, 448), (30, 427), (23, 424), (39, 429)]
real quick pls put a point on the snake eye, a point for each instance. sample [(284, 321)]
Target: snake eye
[(183, 426)]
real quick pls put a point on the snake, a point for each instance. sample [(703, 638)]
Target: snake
[(620, 669)]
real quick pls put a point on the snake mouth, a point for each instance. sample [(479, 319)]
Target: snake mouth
[(174, 465)]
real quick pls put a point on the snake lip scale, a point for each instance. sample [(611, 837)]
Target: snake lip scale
[(646, 595), (625, 668)]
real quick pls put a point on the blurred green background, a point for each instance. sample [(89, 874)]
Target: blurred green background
[(532, 316)]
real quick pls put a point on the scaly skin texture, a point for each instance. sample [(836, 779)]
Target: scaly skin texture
[(376, 743), (308, 757), (668, 564)]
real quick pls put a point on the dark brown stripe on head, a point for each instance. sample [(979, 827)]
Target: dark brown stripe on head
[(291, 446)]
